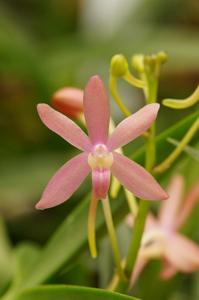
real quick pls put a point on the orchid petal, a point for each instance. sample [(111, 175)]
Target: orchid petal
[(169, 211), (150, 223), (136, 179), (168, 271), (96, 110), (182, 253), (139, 266), (101, 182), (191, 199), (64, 127), (65, 182), (133, 126)]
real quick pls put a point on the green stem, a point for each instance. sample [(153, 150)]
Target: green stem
[(115, 94), (150, 154), (132, 203), (136, 237), (150, 91), (143, 205), (133, 81), (185, 103), (113, 237)]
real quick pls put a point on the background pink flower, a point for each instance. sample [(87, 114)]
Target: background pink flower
[(69, 101), (161, 238)]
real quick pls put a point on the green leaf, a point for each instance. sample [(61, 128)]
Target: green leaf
[(26, 255), (67, 242), (6, 266), (24, 189), (192, 152), (70, 293)]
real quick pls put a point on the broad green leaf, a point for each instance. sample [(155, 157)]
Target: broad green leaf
[(24, 189), (192, 152), (70, 293), (71, 237), (67, 242), (26, 255), (23, 262)]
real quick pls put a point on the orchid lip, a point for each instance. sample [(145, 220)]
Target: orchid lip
[(100, 157)]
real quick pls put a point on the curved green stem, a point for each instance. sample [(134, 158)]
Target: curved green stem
[(115, 94), (185, 103), (134, 81)]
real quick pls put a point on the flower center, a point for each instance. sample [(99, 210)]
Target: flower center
[(100, 157), (152, 245)]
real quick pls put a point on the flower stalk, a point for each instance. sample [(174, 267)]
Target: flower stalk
[(149, 71), (152, 88), (185, 103), (113, 237), (115, 94)]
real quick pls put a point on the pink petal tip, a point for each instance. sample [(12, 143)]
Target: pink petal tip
[(40, 206)]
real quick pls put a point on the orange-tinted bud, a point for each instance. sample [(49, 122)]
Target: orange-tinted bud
[(69, 101)]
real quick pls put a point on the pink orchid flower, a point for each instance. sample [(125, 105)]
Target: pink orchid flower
[(98, 156), (69, 101), (161, 238)]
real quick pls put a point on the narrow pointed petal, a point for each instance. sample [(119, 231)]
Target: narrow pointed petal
[(182, 253), (65, 182), (139, 266), (101, 182), (169, 211), (151, 222), (190, 201), (133, 126), (64, 127), (96, 110), (136, 179), (168, 271)]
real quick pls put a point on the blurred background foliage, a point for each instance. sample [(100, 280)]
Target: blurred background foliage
[(45, 45)]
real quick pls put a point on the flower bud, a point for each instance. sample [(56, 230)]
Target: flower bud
[(162, 57), (68, 101), (137, 62), (119, 65)]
